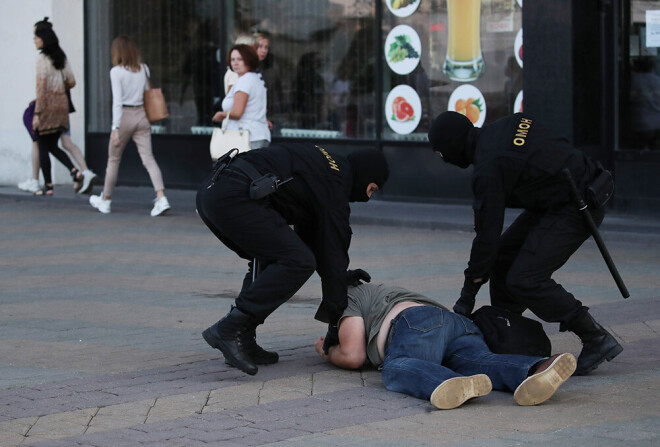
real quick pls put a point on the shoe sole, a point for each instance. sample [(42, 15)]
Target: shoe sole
[(100, 210), (85, 189), (162, 212), (259, 361), (455, 392), (616, 350), (542, 386), (215, 343)]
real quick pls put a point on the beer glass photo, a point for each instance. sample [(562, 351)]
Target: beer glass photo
[(464, 61)]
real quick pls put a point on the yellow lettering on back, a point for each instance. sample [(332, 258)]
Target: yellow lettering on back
[(331, 162), (521, 132)]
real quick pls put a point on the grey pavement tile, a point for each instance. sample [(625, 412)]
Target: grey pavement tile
[(176, 280)]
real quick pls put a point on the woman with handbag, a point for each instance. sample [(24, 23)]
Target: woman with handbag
[(51, 107), (245, 105), (129, 79)]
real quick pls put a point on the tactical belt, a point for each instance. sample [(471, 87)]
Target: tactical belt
[(261, 185)]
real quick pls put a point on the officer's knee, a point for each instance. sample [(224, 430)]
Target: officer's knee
[(519, 285), (302, 261)]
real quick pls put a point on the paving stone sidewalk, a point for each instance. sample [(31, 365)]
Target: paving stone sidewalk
[(100, 338)]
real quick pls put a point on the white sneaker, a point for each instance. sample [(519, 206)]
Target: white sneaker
[(87, 182), (100, 203), (160, 207), (30, 185)]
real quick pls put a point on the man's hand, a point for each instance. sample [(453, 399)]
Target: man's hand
[(331, 338), (355, 277), (465, 303)]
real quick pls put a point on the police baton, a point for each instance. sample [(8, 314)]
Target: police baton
[(593, 229)]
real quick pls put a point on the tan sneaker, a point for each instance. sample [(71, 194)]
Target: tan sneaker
[(547, 379), (454, 392)]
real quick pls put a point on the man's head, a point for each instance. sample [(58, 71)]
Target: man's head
[(370, 172), (448, 136)]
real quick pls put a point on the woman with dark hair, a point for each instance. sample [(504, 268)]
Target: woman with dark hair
[(245, 103), (129, 79), (51, 112)]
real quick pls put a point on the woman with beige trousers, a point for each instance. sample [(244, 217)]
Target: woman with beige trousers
[(129, 80)]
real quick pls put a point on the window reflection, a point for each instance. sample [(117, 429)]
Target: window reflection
[(640, 80), (321, 67), (325, 57)]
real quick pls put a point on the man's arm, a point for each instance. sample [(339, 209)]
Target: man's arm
[(351, 352)]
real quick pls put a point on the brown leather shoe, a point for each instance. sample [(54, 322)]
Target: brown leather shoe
[(546, 380)]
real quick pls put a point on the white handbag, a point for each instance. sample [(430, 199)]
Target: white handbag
[(223, 140)]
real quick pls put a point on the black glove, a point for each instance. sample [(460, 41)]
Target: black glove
[(465, 303), (331, 338), (355, 277)]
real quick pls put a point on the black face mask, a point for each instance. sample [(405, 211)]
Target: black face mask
[(449, 134), (368, 166)]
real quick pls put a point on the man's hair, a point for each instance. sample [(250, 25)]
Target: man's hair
[(249, 55)]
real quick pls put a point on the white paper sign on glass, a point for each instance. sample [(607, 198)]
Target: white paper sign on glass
[(653, 28), (402, 8), (402, 49), (403, 109), (468, 100)]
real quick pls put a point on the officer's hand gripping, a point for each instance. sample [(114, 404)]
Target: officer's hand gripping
[(465, 303), (331, 338), (355, 277)]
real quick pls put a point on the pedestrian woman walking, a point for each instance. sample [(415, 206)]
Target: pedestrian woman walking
[(129, 80), (51, 110)]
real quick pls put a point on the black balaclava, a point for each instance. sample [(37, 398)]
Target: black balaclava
[(451, 134), (368, 166)]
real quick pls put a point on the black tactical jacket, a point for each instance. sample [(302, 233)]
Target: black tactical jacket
[(316, 202), (517, 164)]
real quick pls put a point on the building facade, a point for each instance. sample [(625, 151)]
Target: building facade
[(357, 73)]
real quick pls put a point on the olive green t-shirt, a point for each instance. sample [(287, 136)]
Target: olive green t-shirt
[(372, 302)]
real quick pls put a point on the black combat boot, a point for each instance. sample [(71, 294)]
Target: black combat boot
[(231, 336), (258, 354), (598, 345)]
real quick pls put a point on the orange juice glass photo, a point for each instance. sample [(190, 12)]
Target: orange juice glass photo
[(464, 61)]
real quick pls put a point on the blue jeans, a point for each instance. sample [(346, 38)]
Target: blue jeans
[(430, 345)]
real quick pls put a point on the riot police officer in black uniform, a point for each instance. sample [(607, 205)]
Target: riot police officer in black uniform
[(518, 164), (249, 202)]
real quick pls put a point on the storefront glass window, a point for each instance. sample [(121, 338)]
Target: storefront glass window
[(336, 68), (180, 42), (640, 76), (321, 68), (462, 55)]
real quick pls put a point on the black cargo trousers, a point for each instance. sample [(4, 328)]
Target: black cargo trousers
[(253, 229), (533, 247)]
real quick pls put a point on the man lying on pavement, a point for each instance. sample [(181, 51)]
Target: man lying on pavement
[(429, 352)]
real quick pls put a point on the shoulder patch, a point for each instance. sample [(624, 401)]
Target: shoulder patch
[(520, 136)]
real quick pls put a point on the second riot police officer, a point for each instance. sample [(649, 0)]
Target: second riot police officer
[(249, 202), (518, 164)]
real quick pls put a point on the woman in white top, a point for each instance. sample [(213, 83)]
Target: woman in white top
[(129, 80), (246, 100)]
